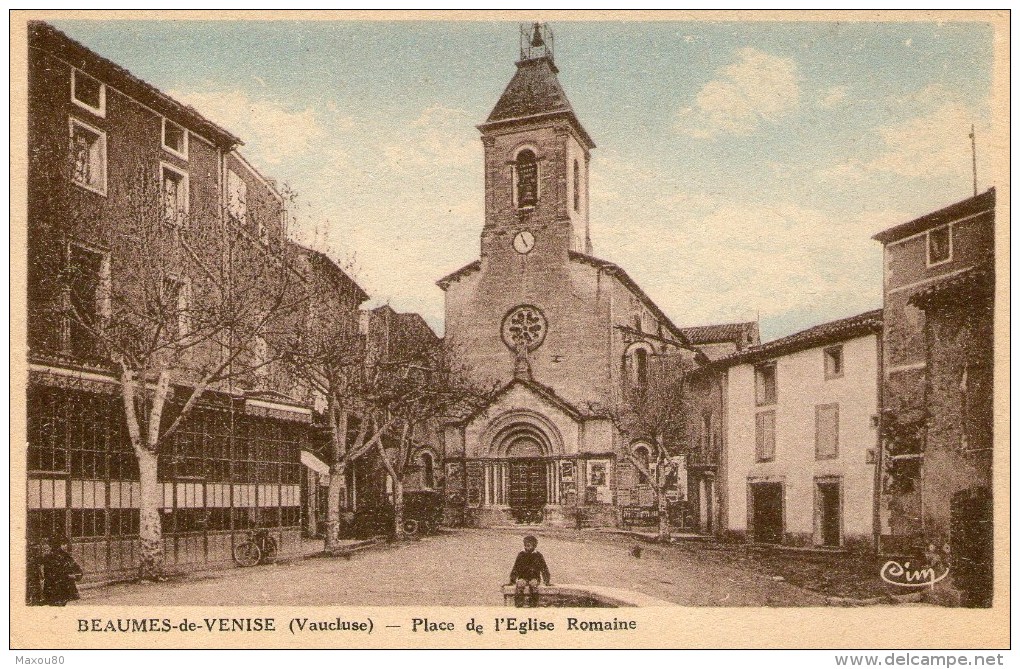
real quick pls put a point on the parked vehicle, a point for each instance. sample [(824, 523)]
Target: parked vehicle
[(423, 513), (258, 548)]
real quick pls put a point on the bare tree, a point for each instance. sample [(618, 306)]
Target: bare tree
[(655, 413), (328, 355), (413, 388), (186, 299)]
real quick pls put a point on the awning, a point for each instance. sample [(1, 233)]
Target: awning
[(315, 464)]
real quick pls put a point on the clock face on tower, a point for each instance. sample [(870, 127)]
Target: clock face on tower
[(524, 242)]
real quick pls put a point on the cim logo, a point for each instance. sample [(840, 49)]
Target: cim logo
[(902, 575)]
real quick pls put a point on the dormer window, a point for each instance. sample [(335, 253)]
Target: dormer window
[(88, 93), (175, 139), (940, 245), (526, 178)]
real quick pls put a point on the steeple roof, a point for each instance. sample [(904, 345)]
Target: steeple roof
[(534, 92)]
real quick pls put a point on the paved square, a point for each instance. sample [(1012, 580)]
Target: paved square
[(466, 568)]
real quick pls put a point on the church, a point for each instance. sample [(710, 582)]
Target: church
[(561, 334)]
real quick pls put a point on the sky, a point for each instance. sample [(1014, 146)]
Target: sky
[(741, 168)]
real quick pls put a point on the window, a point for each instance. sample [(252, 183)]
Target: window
[(123, 522), (526, 171), (706, 433), (826, 431), (577, 187), (765, 436), (940, 245), (88, 157), (87, 523), (175, 139), (174, 191), (641, 366), (88, 93), (833, 362), (237, 197), (765, 384), (428, 470), (46, 523), (644, 456), (48, 431), (176, 308), (88, 299)]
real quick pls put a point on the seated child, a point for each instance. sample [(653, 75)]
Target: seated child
[(528, 568)]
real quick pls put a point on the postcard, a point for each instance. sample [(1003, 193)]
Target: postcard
[(372, 329)]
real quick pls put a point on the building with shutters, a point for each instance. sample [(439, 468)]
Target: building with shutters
[(801, 436), (130, 194)]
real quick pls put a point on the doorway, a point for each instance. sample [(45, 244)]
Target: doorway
[(706, 511), (767, 513), (828, 513), (970, 539), (527, 490)]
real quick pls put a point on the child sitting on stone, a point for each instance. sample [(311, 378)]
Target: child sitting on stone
[(528, 569)]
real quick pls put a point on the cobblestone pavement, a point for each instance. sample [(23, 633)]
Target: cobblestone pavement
[(466, 567)]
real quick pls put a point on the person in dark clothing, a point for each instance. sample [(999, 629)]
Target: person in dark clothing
[(528, 569), (59, 574)]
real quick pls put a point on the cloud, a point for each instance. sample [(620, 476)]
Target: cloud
[(935, 143), (929, 145), (439, 137), (712, 256), (832, 97), (757, 87), (273, 132), (734, 259)]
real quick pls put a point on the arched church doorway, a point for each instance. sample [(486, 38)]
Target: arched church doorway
[(527, 489)]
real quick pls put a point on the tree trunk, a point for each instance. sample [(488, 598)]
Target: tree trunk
[(335, 494), (150, 529), (398, 508), (664, 535), (312, 481)]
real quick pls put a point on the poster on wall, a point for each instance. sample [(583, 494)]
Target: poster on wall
[(568, 483), (598, 481)]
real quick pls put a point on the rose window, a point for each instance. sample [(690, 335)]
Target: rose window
[(524, 328)]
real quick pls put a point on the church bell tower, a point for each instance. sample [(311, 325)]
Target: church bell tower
[(536, 161)]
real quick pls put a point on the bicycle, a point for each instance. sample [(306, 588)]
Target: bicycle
[(258, 548)]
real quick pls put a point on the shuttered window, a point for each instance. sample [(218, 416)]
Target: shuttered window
[(826, 431), (765, 436)]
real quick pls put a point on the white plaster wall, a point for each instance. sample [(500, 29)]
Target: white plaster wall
[(801, 386)]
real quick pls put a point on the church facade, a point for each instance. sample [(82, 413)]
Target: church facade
[(561, 333)]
